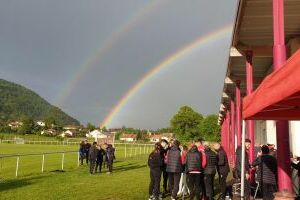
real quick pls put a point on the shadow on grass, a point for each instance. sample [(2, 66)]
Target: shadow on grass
[(129, 166), (18, 183)]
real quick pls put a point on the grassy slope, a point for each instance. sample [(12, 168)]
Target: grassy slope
[(129, 181)]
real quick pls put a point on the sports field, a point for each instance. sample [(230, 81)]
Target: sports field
[(129, 180)]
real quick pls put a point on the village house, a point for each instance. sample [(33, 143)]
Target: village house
[(155, 138), (41, 123), (15, 124), (128, 137)]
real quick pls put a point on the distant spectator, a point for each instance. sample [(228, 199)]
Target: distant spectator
[(272, 149), (110, 156), (155, 162), (99, 161), (296, 166), (87, 147), (222, 168), (266, 173), (82, 154), (174, 168), (93, 157), (209, 171)]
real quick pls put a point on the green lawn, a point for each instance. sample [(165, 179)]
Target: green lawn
[(129, 180)]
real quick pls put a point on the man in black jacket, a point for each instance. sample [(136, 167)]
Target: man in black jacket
[(209, 171), (266, 173), (238, 166), (222, 168), (174, 168), (87, 147), (93, 157)]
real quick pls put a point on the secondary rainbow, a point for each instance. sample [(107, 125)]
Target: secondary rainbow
[(108, 44), (179, 54)]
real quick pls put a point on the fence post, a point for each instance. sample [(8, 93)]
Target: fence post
[(78, 158), (135, 151), (43, 162), (140, 149), (131, 150), (125, 151), (62, 161), (144, 149), (17, 166)]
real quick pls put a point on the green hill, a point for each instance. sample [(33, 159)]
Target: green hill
[(17, 101)]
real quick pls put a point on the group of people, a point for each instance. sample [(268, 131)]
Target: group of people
[(187, 169), (97, 156)]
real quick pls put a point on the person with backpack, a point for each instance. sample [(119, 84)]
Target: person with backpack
[(199, 143), (93, 157), (99, 161), (110, 156), (155, 162), (164, 150), (174, 168), (194, 170), (209, 171)]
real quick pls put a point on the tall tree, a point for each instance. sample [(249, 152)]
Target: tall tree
[(90, 127), (27, 125), (185, 123), (210, 128)]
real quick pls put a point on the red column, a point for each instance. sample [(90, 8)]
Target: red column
[(232, 151), (238, 113), (282, 127), (228, 134), (250, 123)]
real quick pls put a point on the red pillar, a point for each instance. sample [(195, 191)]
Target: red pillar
[(232, 151), (238, 113), (282, 127), (250, 123), (228, 134)]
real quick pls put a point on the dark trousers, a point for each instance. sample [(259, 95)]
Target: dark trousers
[(268, 190), (193, 182), (174, 179), (99, 164), (223, 187), (154, 185), (81, 158), (165, 180), (202, 186), (209, 185), (92, 166), (110, 165), (87, 157)]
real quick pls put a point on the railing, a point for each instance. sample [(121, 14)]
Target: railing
[(34, 162)]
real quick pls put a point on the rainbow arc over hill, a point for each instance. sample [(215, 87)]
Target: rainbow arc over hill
[(172, 59)]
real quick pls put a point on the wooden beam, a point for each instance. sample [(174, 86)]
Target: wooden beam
[(258, 51)]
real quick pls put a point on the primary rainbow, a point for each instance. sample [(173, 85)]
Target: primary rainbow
[(180, 53), (108, 44)]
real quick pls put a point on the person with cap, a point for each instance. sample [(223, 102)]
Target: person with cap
[(155, 162), (174, 168), (209, 171), (222, 168), (266, 173)]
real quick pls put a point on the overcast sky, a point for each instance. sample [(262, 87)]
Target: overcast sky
[(44, 44)]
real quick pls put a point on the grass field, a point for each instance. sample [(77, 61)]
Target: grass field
[(129, 180)]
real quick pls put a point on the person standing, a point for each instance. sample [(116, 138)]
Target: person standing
[(155, 162), (164, 150), (99, 161), (266, 173), (174, 168), (296, 166), (238, 166), (82, 154), (222, 168), (209, 171), (194, 169), (199, 144), (93, 157), (87, 147), (110, 156)]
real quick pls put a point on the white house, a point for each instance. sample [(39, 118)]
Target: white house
[(41, 123), (97, 134), (128, 137), (155, 138)]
